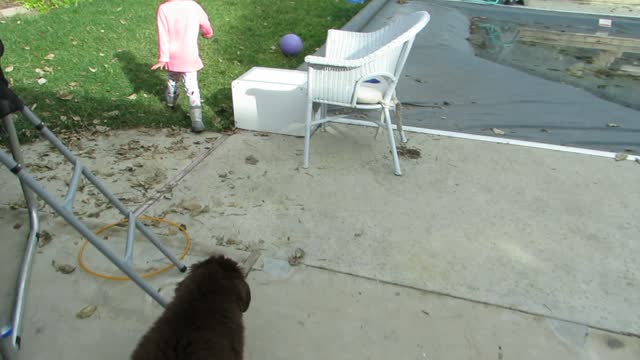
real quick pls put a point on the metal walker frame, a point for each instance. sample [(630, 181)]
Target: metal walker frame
[(10, 103)]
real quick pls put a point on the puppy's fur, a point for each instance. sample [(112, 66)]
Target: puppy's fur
[(204, 320)]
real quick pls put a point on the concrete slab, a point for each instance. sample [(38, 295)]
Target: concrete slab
[(319, 313), (326, 315), (522, 228), (491, 223)]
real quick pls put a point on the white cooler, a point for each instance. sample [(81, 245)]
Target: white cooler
[(270, 100)]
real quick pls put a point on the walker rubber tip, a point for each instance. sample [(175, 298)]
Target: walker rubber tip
[(183, 268)]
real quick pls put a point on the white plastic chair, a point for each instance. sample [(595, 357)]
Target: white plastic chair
[(342, 77)]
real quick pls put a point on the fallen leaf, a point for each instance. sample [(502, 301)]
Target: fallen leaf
[(411, 153), (44, 238), (17, 226), (47, 69), (122, 22), (111, 113), (203, 210), (92, 69), (621, 156), (75, 117), (50, 56), (497, 131), (190, 205), (73, 84), (296, 258), (8, 69), (20, 204), (63, 268), (42, 81), (86, 312), (251, 160), (132, 97), (64, 95)]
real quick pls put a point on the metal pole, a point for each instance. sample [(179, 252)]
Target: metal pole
[(103, 189), (79, 226), (34, 224)]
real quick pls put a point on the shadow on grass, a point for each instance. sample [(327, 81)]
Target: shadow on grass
[(219, 103), (86, 113), (141, 77)]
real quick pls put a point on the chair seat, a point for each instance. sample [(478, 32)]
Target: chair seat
[(371, 93)]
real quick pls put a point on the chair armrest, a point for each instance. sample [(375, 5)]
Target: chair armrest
[(312, 60)]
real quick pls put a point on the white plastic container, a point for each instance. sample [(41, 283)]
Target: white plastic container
[(270, 100)]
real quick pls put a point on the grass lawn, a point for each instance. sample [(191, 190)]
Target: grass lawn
[(96, 56)]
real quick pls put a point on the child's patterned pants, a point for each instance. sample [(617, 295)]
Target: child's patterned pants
[(190, 80)]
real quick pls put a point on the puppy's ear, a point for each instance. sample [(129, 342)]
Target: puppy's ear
[(227, 265), (244, 294)]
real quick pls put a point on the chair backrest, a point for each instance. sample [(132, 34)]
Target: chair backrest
[(399, 30), (381, 52)]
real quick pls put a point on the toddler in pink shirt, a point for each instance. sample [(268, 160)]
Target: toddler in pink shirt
[(179, 24)]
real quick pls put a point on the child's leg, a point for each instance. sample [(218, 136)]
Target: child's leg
[(193, 92), (191, 86), (173, 91)]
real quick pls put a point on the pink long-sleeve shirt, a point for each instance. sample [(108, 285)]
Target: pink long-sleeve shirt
[(179, 24)]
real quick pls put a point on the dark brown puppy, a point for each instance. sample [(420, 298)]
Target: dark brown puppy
[(204, 320)]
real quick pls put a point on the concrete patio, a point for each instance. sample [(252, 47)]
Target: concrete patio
[(479, 251)]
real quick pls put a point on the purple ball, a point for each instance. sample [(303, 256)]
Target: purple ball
[(291, 44)]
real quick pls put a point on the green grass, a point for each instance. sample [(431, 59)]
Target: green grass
[(102, 51), (45, 5)]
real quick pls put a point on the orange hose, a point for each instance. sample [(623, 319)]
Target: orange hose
[(147, 274)]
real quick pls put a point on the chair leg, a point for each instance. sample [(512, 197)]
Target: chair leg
[(307, 134), (392, 143), (398, 111)]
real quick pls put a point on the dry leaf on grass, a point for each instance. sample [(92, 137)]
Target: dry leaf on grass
[(64, 95)]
